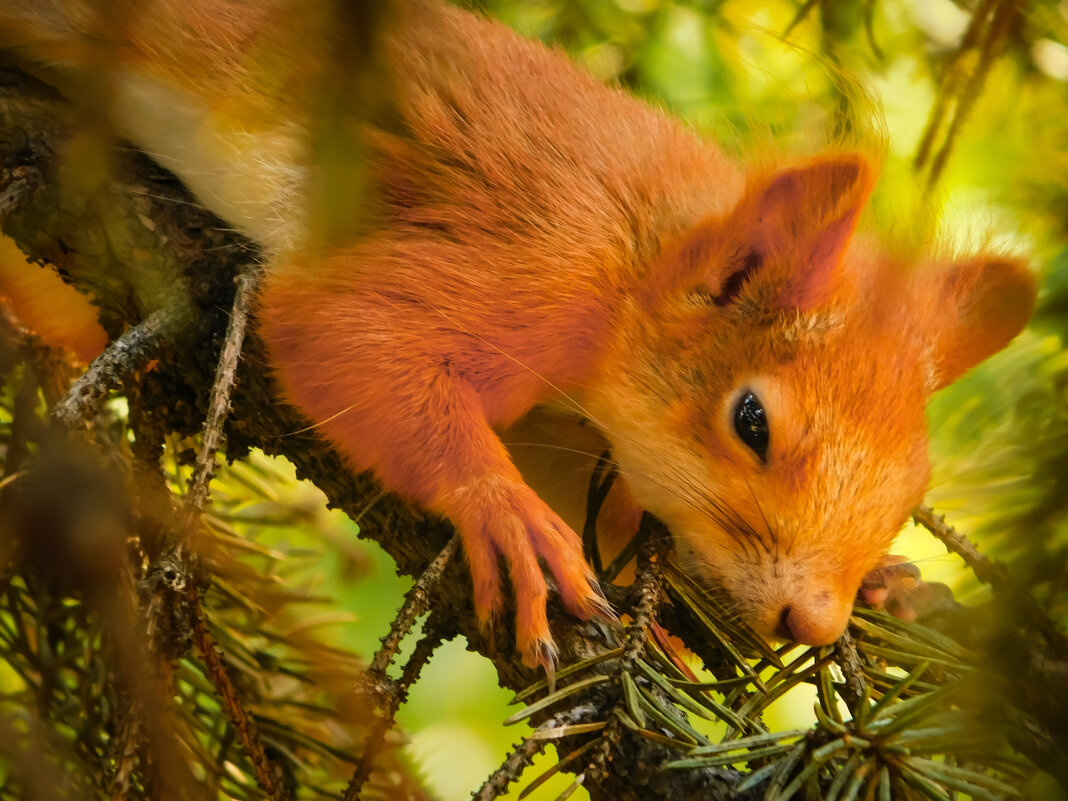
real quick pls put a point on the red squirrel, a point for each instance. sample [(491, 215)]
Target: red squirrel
[(539, 240)]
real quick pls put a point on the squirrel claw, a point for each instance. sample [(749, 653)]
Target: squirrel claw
[(598, 606), (542, 653), (498, 517), (550, 674)]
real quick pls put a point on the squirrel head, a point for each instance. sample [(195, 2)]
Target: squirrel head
[(771, 406)]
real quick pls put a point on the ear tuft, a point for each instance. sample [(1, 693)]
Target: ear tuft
[(819, 190), (810, 213), (979, 305)]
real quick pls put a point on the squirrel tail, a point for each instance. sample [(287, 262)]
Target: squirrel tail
[(54, 34)]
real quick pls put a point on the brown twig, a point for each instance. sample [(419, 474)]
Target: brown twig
[(990, 26), (123, 357), (154, 502), (522, 755), (986, 570), (950, 82), (998, 33), (647, 593), (520, 758), (848, 658), (1001, 581), (388, 694), (192, 614), (125, 752), (394, 693), (416, 602), (219, 404), (148, 686), (802, 12), (1032, 659), (269, 780)]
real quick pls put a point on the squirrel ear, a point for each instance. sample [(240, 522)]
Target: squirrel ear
[(976, 307), (811, 212)]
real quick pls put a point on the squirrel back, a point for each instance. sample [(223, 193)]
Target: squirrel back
[(231, 97)]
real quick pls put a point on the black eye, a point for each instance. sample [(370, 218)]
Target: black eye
[(751, 423)]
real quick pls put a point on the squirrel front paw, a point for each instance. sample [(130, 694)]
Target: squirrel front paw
[(894, 585), (499, 517)]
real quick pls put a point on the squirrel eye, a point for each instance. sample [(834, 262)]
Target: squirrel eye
[(751, 423)]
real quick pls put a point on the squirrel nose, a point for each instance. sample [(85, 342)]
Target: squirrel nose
[(813, 621)]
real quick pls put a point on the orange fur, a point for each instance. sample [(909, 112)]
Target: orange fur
[(57, 312), (541, 240)]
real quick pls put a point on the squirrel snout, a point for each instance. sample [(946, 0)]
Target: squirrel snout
[(818, 619)]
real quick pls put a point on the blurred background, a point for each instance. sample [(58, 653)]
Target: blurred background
[(969, 102)]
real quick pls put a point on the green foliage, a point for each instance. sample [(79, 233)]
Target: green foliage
[(898, 715), (71, 642)]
